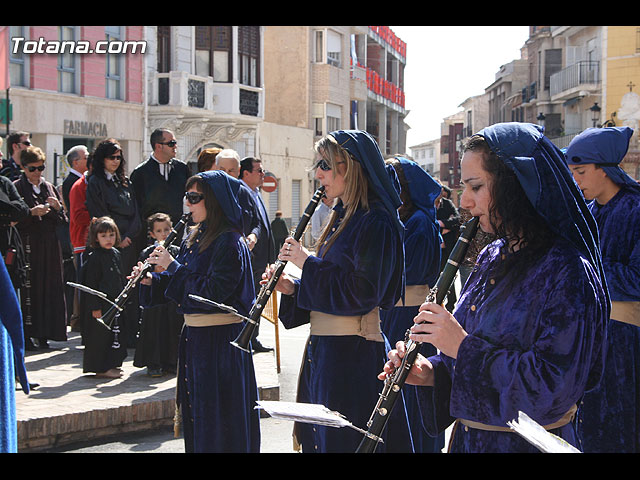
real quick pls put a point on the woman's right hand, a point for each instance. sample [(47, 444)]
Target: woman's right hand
[(421, 372), (285, 283)]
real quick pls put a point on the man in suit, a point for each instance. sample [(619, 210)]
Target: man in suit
[(263, 251), (158, 182)]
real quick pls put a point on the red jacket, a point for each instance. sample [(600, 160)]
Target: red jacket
[(79, 218)]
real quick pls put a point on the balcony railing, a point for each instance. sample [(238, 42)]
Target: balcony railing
[(182, 89), (384, 88), (577, 75)]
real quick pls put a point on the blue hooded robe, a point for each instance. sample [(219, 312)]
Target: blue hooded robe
[(610, 415), (363, 269), (422, 267), (536, 340), (217, 389)]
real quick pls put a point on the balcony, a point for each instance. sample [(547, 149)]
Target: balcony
[(386, 92), (577, 77), (181, 89)]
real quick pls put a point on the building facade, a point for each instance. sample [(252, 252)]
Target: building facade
[(72, 85)]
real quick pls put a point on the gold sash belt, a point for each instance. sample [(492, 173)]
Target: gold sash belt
[(566, 418), (367, 326), (414, 295), (627, 312), (210, 319)]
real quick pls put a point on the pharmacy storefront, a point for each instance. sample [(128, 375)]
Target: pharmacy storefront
[(58, 122)]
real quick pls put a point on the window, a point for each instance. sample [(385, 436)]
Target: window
[(295, 201), (164, 49), (114, 65), (333, 47), (334, 116), (67, 62), (17, 64), (213, 52), (249, 55)]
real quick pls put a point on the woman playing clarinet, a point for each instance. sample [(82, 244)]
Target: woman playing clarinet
[(358, 269), (217, 389), (527, 334)]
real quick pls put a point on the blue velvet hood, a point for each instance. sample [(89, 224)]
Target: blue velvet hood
[(549, 185), (382, 177), (605, 147), (225, 188)]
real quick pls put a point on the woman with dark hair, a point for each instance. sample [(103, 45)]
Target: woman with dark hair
[(110, 194), (358, 270), (528, 332), (217, 389), (419, 192)]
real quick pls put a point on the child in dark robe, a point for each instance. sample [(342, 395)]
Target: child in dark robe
[(157, 347), (104, 349)]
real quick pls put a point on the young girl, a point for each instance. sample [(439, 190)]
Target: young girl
[(157, 347), (103, 272)]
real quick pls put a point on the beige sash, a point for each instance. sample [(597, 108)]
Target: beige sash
[(414, 295), (627, 312), (566, 418), (367, 326), (210, 319)]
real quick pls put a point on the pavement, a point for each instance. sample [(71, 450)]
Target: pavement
[(70, 406)]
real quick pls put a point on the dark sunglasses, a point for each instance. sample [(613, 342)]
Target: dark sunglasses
[(170, 143), (194, 197), (114, 157), (26, 142), (33, 169), (322, 165)]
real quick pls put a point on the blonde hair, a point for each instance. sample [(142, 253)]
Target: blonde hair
[(355, 194)]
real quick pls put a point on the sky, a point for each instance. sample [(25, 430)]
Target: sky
[(448, 64)]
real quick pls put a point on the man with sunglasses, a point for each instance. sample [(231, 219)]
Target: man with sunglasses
[(159, 181), (16, 143)]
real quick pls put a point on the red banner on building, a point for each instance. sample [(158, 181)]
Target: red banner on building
[(4, 58)]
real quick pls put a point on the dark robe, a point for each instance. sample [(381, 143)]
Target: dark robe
[(102, 271), (43, 297), (160, 328)]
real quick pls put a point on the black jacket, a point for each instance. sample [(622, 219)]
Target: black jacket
[(154, 194)]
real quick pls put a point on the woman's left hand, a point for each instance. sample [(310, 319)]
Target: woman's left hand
[(435, 325), (292, 251), (160, 256)]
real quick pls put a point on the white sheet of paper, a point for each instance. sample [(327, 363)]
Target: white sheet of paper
[(537, 436)]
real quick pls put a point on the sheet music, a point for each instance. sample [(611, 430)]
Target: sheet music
[(537, 436), (304, 412)]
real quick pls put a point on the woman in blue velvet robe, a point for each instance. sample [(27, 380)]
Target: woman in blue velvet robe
[(419, 192), (528, 333), (217, 389), (610, 415), (359, 268)]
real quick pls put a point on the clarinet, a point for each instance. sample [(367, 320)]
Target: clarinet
[(394, 383), (252, 320), (123, 296)]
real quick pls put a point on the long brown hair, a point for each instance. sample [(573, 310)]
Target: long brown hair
[(217, 222), (356, 186)]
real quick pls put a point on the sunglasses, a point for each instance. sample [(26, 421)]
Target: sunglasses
[(26, 142), (33, 169), (322, 165), (194, 197), (114, 157), (170, 143)]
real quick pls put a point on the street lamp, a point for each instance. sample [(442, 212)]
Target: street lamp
[(541, 118), (595, 113)]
